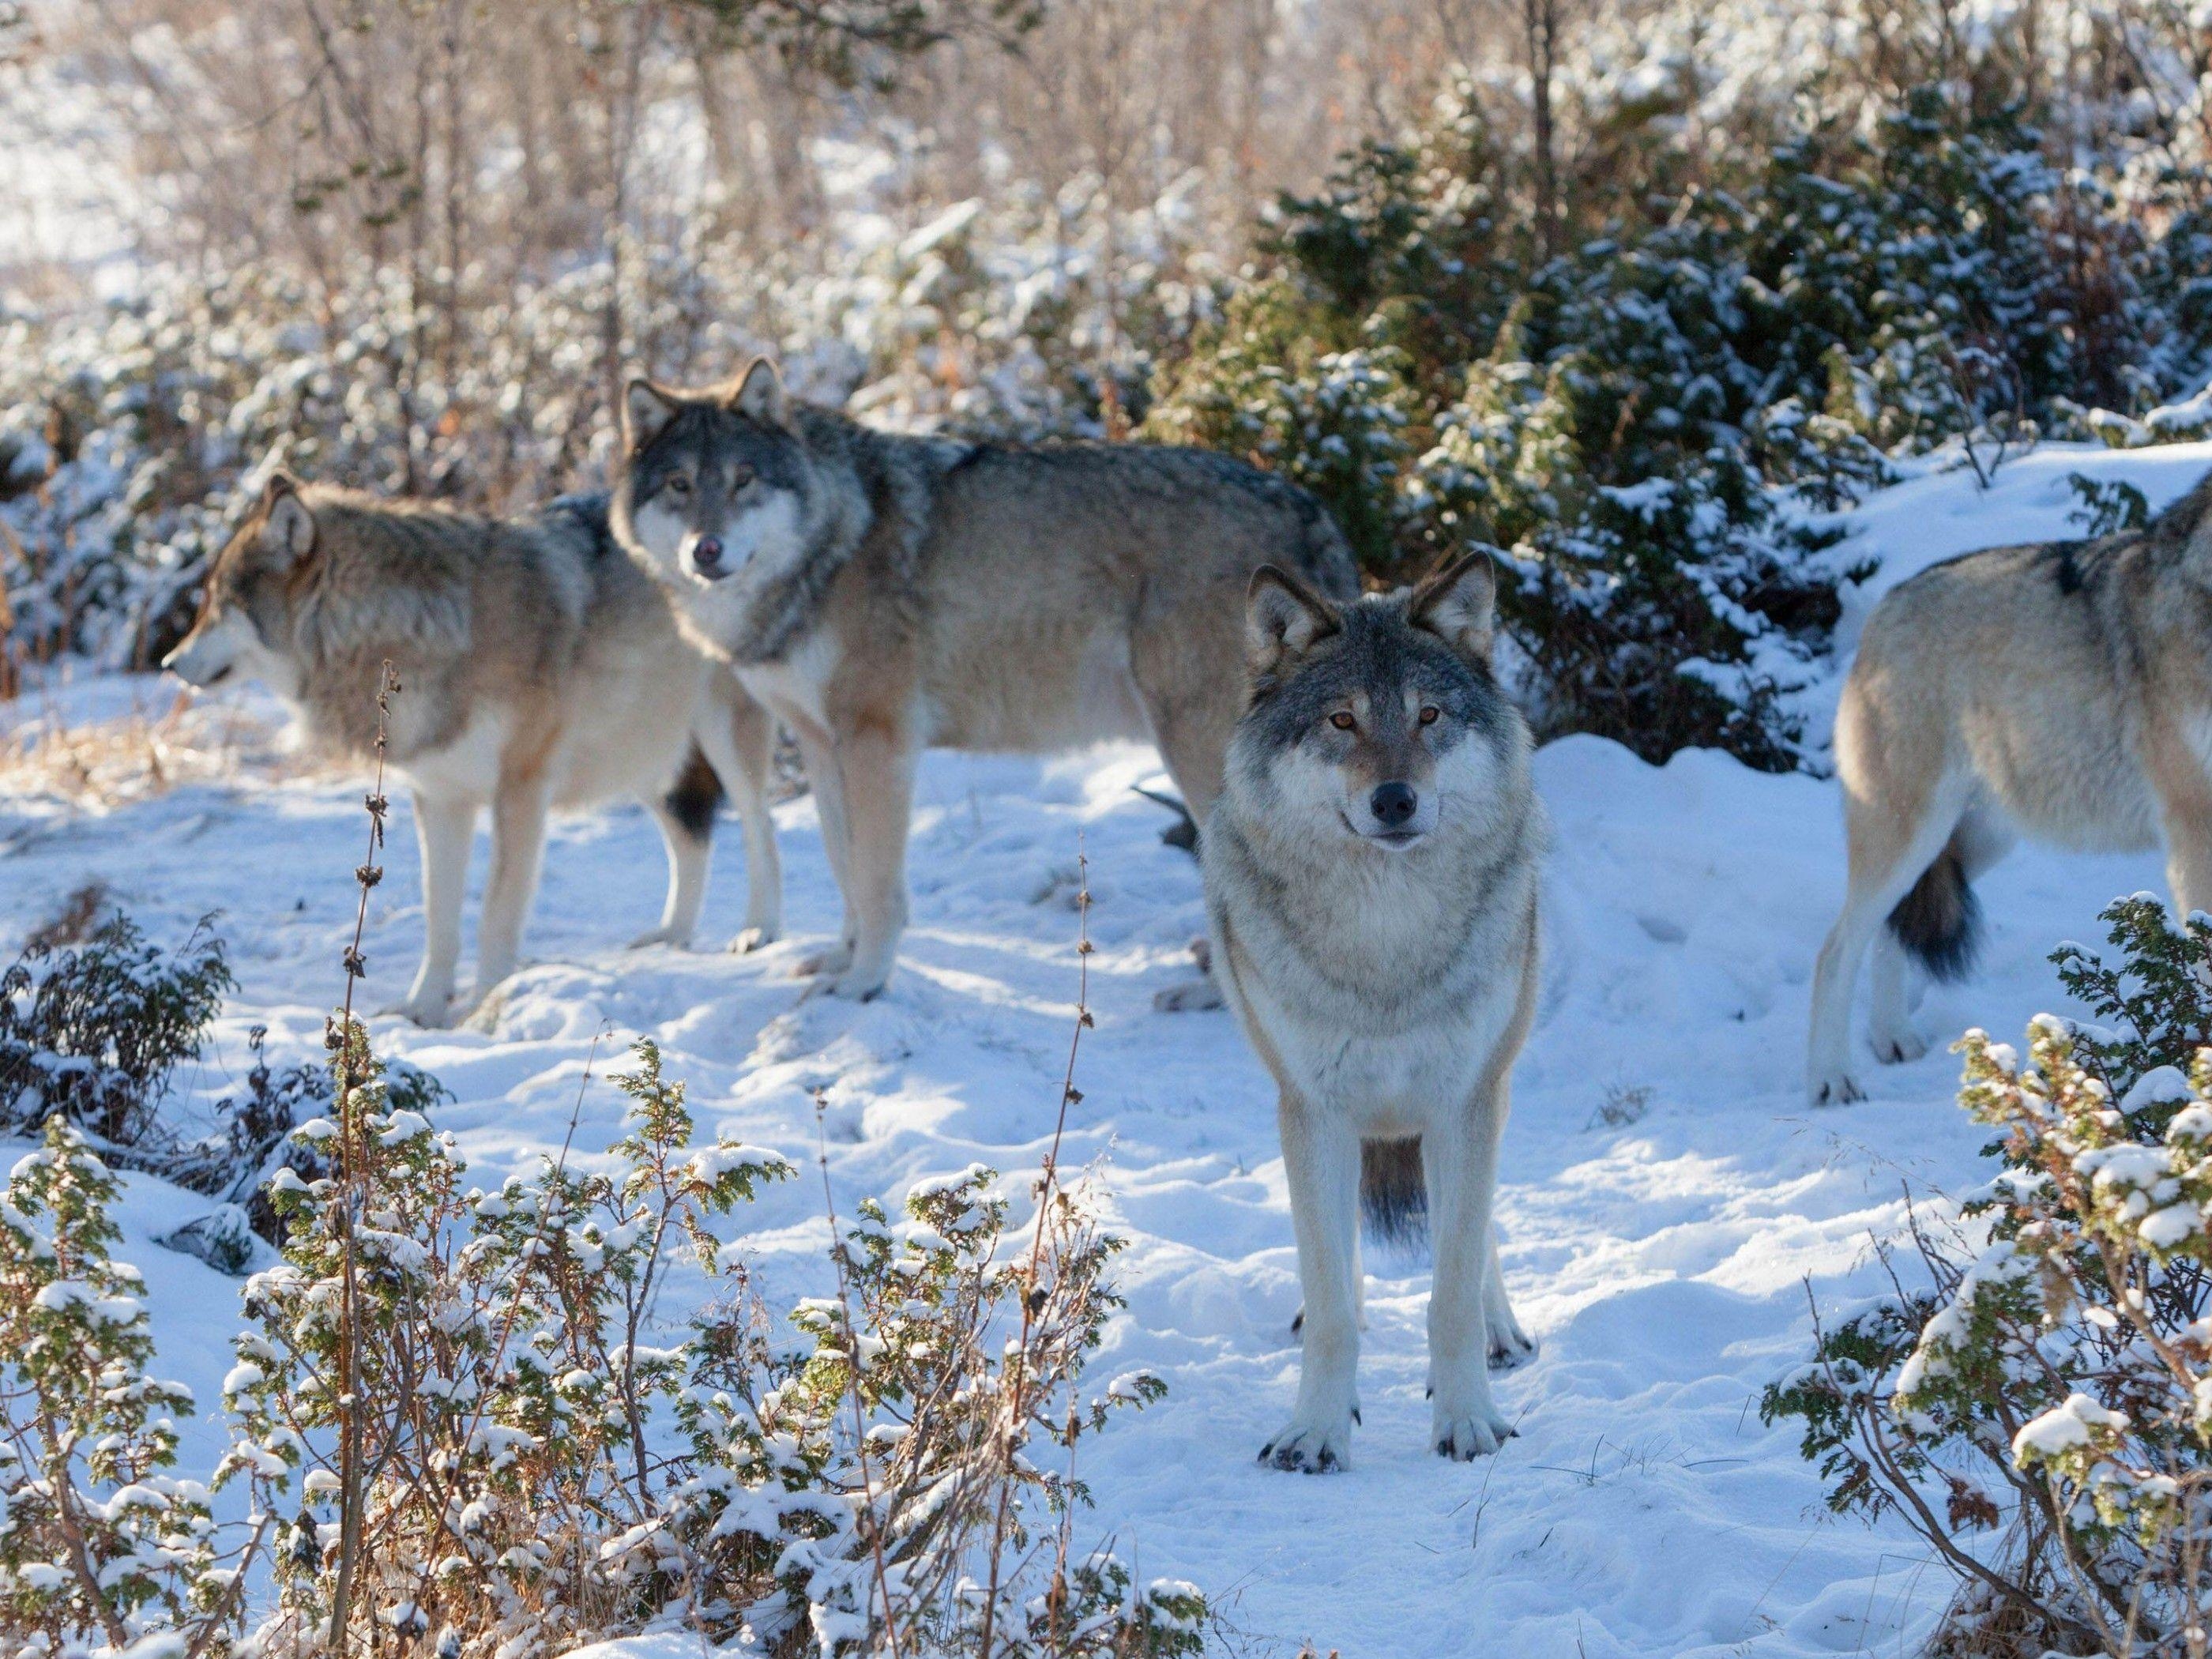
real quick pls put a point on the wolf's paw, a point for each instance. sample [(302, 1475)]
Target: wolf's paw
[(1192, 996), (1509, 1344), (858, 983), (1465, 1435), (1833, 1089), (751, 939), (1310, 1449), (830, 959), (432, 1012), (680, 938), (483, 1015), (1904, 1044)]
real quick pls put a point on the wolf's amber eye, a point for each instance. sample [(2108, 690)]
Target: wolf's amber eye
[(1342, 720), (1429, 713), (679, 485), (740, 476)]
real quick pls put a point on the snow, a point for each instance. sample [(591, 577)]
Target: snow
[(1667, 1193), (2065, 1428)]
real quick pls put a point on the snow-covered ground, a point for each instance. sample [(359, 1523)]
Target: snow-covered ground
[(1666, 1192)]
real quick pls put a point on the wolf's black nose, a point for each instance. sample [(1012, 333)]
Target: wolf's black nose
[(706, 554), (1393, 802)]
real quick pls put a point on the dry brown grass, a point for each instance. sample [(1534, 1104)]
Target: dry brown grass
[(97, 765)]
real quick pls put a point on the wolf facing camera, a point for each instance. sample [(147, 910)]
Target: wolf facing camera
[(882, 593), (539, 669), (1371, 872), (2059, 690)]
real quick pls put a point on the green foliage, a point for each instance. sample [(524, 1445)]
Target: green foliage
[(2108, 507), (1637, 421), (99, 1542), (496, 1346), (2054, 1386), (91, 1033), (1280, 383), (535, 1465)]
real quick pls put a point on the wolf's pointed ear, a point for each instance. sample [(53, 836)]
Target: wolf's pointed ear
[(647, 409), (287, 526), (1457, 603), (1283, 618), (760, 396)]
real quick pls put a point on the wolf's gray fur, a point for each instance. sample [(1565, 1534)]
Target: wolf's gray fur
[(538, 668), (2060, 690), (1371, 872), (881, 593)]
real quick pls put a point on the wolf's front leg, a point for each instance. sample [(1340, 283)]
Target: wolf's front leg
[(876, 768), (518, 850), (1321, 1160), (825, 781), (443, 829), (1459, 1163), (738, 739)]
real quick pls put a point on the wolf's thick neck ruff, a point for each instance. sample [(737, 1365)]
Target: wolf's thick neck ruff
[(1334, 903), (876, 514)]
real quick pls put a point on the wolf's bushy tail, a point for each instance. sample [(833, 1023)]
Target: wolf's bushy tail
[(696, 796), (1391, 1192), (1940, 920)]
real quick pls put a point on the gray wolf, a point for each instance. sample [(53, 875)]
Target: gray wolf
[(2059, 690), (539, 669), (882, 593), (1371, 872)]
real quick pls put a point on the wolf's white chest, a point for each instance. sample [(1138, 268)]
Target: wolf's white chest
[(796, 686), (465, 768), (1393, 1081)]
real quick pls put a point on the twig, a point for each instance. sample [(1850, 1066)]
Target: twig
[(1047, 1178), (852, 1378), (367, 874)]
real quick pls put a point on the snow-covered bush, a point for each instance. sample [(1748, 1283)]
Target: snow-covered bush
[(945, 1366), (95, 1033), (100, 1543), (1634, 394), (91, 1033), (468, 1405), (466, 1381), (2042, 1413)]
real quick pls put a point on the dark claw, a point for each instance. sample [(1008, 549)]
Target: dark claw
[(1289, 1460)]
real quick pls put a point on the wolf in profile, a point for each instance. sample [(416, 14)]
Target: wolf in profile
[(539, 668), (1371, 872), (2060, 690), (883, 593)]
